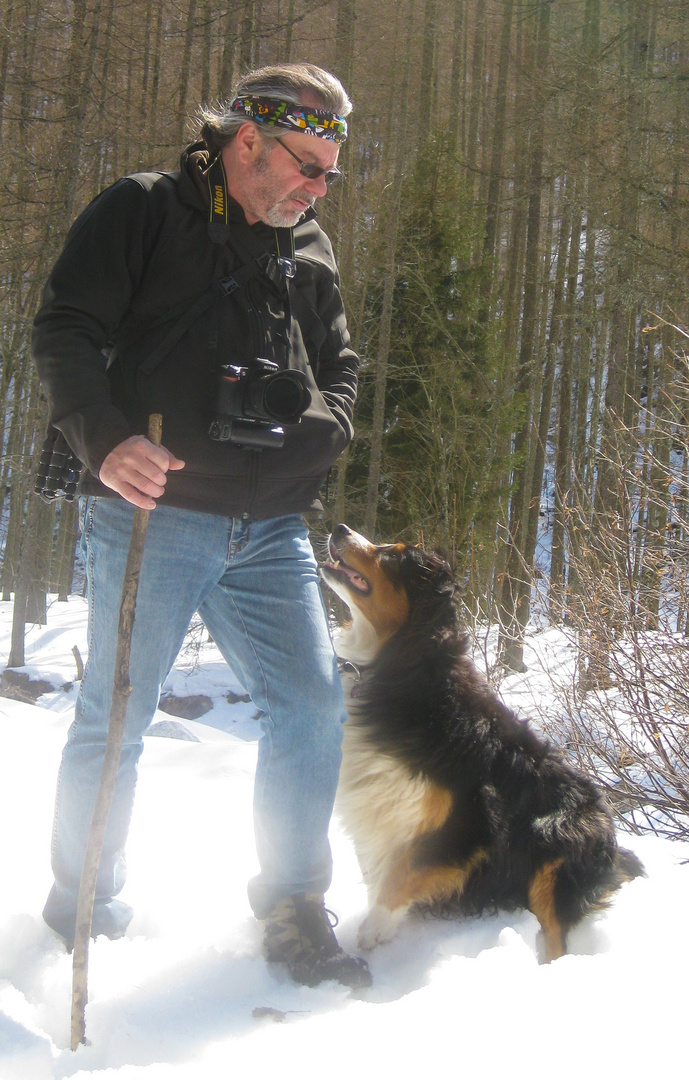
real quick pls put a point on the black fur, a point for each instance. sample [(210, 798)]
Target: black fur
[(424, 703)]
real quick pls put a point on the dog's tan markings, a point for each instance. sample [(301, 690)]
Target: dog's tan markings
[(542, 904), (385, 607), (389, 610), (437, 804), (406, 884)]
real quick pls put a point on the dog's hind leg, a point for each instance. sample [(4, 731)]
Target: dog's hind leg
[(405, 884), (542, 904)]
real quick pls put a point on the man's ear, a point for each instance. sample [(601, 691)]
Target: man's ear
[(248, 144)]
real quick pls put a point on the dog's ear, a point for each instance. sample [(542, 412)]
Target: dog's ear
[(428, 573)]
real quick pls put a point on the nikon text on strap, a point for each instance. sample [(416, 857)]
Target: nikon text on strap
[(218, 228)]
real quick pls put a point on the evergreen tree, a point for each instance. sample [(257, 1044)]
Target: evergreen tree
[(444, 410)]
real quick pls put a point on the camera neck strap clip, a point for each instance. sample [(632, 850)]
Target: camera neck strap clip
[(286, 261)]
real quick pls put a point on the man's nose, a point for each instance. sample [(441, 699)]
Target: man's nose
[(317, 186)]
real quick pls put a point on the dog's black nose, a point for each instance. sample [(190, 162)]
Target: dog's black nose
[(340, 531)]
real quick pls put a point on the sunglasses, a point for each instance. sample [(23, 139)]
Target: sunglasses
[(312, 171)]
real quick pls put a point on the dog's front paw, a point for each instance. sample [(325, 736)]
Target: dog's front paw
[(379, 926)]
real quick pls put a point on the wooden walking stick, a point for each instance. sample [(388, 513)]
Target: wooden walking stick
[(113, 749)]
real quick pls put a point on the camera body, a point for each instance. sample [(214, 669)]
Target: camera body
[(253, 402)]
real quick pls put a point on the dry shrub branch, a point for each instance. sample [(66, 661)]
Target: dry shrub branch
[(625, 715)]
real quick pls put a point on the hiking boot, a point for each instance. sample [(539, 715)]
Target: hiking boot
[(299, 933)]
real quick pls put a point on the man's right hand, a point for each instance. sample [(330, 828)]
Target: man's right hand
[(137, 470)]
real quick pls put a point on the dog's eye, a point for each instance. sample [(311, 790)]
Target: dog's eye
[(389, 555), (392, 561), (392, 550)]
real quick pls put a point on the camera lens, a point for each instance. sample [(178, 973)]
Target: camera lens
[(285, 397)]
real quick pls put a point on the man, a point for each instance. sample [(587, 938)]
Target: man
[(211, 296)]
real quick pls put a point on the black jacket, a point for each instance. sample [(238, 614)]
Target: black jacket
[(134, 262)]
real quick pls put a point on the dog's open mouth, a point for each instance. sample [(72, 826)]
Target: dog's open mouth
[(338, 567)]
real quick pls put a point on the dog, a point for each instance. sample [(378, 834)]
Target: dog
[(454, 805)]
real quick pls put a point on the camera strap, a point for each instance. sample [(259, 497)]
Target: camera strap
[(280, 267), (305, 314), (251, 265), (216, 178), (253, 258)]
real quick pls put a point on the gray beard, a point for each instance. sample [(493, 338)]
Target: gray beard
[(275, 215), (280, 219)]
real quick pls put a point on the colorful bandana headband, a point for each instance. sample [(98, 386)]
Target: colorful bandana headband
[(285, 114)]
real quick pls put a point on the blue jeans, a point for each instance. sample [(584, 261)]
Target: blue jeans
[(255, 585)]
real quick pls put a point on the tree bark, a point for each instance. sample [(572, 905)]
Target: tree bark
[(385, 328), (517, 577)]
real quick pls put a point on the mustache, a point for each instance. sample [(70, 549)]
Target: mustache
[(302, 196)]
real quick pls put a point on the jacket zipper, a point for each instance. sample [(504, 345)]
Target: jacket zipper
[(252, 482), (259, 341), (258, 334)]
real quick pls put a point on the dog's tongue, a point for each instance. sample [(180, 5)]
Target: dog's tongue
[(356, 579)]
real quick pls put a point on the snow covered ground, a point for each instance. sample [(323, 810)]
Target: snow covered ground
[(176, 998)]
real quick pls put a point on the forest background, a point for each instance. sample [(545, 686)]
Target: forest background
[(513, 237)]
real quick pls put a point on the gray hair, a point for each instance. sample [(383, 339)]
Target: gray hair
[(287, 82)]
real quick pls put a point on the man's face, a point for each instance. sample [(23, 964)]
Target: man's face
[(275, 191)]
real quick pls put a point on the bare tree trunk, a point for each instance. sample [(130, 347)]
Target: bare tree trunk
[(345, 38), (151, 104), (39, 565), (206, 61), (104, 149), (247, 41), (231, 37), (22, 591), (342, 202), (6, 28), (427, 68), (622, 365), (185, 68), (552, 347), (384, 335), (289, 32), (26, 583), (456, 80), (563, 456), (78, 83), (493, 201), (63, 563), (516, 581), (477, 63), (344, 212)]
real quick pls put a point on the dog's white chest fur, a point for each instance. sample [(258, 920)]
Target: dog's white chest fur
[(380, 803), (378, 800)]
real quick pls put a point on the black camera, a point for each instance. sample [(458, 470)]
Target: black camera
[(252, 403)]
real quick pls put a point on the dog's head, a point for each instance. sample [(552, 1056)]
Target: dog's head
[(386, 587)]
